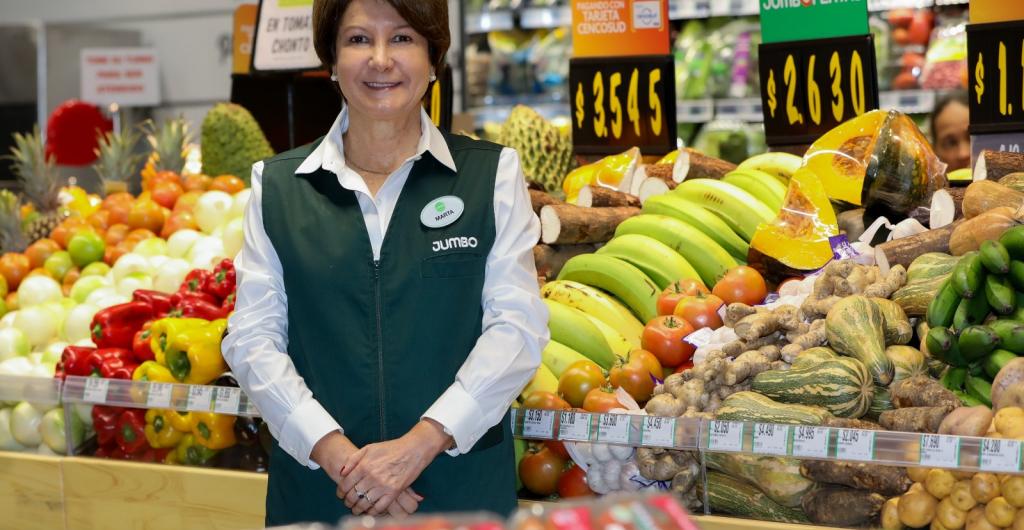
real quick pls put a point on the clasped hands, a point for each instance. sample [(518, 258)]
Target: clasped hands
[(375, 480)]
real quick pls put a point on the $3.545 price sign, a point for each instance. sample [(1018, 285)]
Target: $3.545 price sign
[(809, 87), (622, 102), (995, 69)]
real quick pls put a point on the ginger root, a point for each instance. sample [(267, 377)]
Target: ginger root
[(815, 336), (757, 325), (884, 288), (737, 311), (844, 278)]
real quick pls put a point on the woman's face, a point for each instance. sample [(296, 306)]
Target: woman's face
[(952, 142), (383, 64)]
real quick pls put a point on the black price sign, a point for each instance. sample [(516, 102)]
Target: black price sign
[(623, 102), (995, 69), (810, 87)]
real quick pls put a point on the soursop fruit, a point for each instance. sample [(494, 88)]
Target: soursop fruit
[(232, 142), (544, 150)]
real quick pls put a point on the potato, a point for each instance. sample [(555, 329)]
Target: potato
[(890, 515), (961, 496), (1013, 491), (999, 512), (985, 487), (967, 421), (976, 520), (917, 486), (950, 516), (1009, 422), (1018, 521), (1008, 386), (918, 474), (917, 509), (936, 525), (961, 475), (939, 483)]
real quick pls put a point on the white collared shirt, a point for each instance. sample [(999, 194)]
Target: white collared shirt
[(514, 325)]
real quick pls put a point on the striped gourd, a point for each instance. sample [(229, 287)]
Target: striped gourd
[(856, 327), (813, 356), (841, 385), (880, 402), (930, 265), (924, 278), (751, 406), (733, 496), (907, 362)]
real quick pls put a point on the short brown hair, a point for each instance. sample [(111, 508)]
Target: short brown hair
[(428, 17)]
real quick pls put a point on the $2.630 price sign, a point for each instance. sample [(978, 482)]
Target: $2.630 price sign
[(995, 68), (622, 102), (809, 87)]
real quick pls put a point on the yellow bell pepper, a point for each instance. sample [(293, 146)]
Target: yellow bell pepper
[(190, 348), (214, 431), (189, 453), (154, 372), (159, 432), (181, 421)]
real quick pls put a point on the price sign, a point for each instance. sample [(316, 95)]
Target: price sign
[(999, 455), (227, 400), (658, 432), (95, 390), (159, 395), (810, 442), (809, 87), (574, 426), (725, 436), (995, 70), (852, 444), (622, 102), (539, 424), (771, 439), (199, 398), (613, 428), (940, 451)]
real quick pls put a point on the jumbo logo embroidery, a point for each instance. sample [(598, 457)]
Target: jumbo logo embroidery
[(454, 242), (442, 211)]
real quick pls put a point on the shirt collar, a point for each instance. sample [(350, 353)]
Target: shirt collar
[(330, 154)]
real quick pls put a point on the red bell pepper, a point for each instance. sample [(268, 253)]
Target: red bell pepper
[(195, 281), (229, 303), (104, 422), (110, 360), (73, 360), (160, 302), (118, 368), (140, 345), (115, 326), (151, 456), (198, 307), (131, 430), (221, 281), (179, 297)]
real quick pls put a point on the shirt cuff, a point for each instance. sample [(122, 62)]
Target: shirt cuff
[(459, 414), (303, 428)]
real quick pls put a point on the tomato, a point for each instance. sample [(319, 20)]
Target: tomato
[(578, 379), (146, 214), (545, 401), (663, 336), (40, 250), (601, 400), (119, 205), (116, 234), (166, 193), (179, 221), (187, 201), (227, 183), (634, 375), (700, 311), (161, 176), (197, 182), (573, 483), (136, 236), (675, 291), (685, 366), (69, 280), (67, 229), (540, 472), (741, 284), (558, 448), (14, 267), (11, 301), (649, 360)]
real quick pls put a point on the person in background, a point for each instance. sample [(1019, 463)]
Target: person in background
[(949, 123), (388, 311)]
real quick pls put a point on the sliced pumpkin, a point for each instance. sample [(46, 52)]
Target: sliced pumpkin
[(841, 156), (609, 172), (799, 237)]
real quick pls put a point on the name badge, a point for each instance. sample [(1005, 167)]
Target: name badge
[(442, 211)]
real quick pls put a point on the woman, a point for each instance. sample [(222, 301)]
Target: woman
[(949, 124), (388, 311)]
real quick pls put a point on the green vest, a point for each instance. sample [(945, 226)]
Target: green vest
[(379, 342)]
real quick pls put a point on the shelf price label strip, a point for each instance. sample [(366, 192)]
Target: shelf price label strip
[(145, 394), (41, 390), (770, 439)]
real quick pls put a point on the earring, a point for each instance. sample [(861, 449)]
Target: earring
[(334, 76), (432, 77)]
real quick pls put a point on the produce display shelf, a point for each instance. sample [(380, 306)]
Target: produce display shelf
[(496, 110), (695, 110), (545, 17), (146, 394), (742, 109), (38, 390), (31, 492), (498, 20), (961, 453), (909, 101)]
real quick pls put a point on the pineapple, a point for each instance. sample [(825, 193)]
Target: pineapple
[(168, 143), (117, 160), (12, 237), (40, 182)]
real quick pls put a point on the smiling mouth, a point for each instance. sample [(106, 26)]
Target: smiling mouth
[(380, 86)]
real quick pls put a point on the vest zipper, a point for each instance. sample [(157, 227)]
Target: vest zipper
[(380, 350)]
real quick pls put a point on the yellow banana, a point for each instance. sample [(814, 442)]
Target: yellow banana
[(597, 304), (543, 380), (558, 357), (620, 345)]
